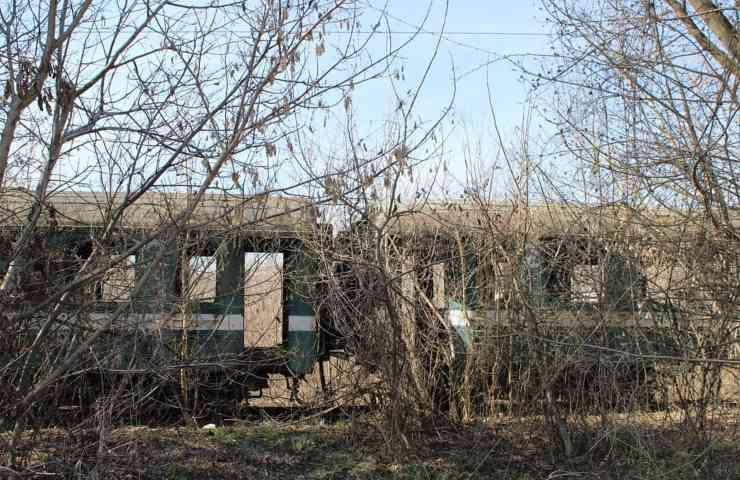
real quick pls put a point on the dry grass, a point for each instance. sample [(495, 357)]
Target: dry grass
[(648, 446)]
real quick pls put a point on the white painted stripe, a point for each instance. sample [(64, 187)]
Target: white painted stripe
[(302, 323), (227, 322), (199, 321), (460, 318)]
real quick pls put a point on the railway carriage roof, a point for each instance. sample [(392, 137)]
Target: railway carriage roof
[(154, 209), (553, 219)]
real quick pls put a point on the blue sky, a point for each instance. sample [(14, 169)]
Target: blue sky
[(479, 35), (470, 42)]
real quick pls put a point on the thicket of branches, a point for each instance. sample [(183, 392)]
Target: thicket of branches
[(156, 106), (603, 283)]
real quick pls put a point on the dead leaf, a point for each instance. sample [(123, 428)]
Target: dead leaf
[(270, 149)]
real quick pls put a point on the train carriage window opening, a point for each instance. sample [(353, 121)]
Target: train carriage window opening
[(263, 299), (118, 281), (438, 285), (588, 274), (196, 267), (200, 278), (67, 252), (557, 270), (575, 270), (59, 259), (666, 274), (709, 287), (587, 283), (495, 273)]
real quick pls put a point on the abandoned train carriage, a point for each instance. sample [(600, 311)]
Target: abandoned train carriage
[(628, 283), (202, 292), (180, 295), (567, 258)]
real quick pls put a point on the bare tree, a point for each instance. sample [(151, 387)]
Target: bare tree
[(152, 102), (655, 147), (663, 79)]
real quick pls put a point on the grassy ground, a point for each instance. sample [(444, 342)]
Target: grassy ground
[(354, 449)]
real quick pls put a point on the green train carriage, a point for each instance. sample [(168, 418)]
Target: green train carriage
[(168, 315)]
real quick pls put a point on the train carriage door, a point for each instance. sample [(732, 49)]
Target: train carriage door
[(263, 299)]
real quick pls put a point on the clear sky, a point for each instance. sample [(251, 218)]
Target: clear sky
[(479, 42), (477, 32)]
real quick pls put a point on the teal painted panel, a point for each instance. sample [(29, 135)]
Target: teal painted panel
[(302, 347), (158, 291), (216, 307), (205, 343), (129, 350), (206, 307), (217, 342), (624, 283), (63, 239), (298, 306), (533, 276), (230, 279)]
